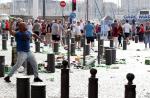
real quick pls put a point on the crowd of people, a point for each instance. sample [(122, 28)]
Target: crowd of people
[(54, 31), (50, 32)]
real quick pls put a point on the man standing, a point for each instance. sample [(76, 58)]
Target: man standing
[(55, 33), (127, 30), (23, 50), (89, 30), (37, 28), (115, 33)]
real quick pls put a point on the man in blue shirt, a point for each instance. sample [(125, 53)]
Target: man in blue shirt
[(23, 50), (89, 33)]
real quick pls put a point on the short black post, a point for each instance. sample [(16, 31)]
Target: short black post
[(23, 87), (113, 55), (64, 80), (82, 41), (136, 38), (130, 89), (2, 66), (14, 56), (101, 50), (37, 46), (87, 49), (93, 85), (99, 55), (73, 49), (108, 56), (111, 43), (56, 48), (31, 41), (50, 63), (69, 47), (4, 44), (105, 48), (6, 35), (12, 41), (102, 42), (84, 53), (38, 90), (124, 45), (72, 40)]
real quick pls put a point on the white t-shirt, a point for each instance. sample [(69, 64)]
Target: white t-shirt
[(30, 27), (127, 27), (77, 30), (82, 26)]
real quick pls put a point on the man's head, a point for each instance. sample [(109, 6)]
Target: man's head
[(127, 21), (22, 26), (78, 23)]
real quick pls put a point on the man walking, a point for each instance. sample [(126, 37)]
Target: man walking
[(89, 33), (127, 30), (23, 50)]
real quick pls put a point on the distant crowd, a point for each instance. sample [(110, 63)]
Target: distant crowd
[(56, 30)]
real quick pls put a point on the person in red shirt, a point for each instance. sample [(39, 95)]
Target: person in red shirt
[(141, 33), (115, 33)]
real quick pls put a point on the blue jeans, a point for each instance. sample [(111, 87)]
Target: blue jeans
[(21, 58)]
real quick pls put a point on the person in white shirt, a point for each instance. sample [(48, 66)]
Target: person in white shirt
[(78, 34), (82, 25), (127, 29), (29, 26)]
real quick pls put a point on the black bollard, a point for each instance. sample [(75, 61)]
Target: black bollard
[(37, 46), (101, 50), (6, 36), (93, 85), (136, 38), (124, 45), (31, 41), (72, 40), (64, 80), (14, 56), (113, 55), (102, 42), (3, 36), (4, 44), (111, 43), (82, 42), (51, 63), (105, 51), (130, 89), (56, 47), (23, 87), (99, 55), (68, 44), (73, 47), (2, 66), (38, 90), (12, 41), (108, 56), (87, 49)]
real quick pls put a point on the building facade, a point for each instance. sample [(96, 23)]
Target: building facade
[(132, 7)]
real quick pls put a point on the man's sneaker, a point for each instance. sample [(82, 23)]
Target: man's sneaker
[(37, 79), (7, 79)]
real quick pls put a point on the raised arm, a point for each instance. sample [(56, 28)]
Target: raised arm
[(11, 31)]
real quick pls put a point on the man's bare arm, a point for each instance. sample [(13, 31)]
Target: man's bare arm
[(37, 37)]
